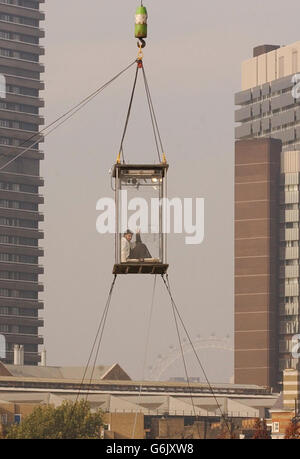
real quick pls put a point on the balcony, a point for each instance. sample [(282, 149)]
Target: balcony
[(22, 28), (29, 215), (289, 216), (11, 150), (22, 63), (289, 290), (22, 267), (25, 99), (286, 346), (289, 197), (289, 309), (15, 302), (291, 234), (22, 338), (23, 11), (22, 285), (32, 357), (21, 321), (22, 46), (289, 253), (289, 271), (289, 328), (11, 195), (24, 81), (24, 179)]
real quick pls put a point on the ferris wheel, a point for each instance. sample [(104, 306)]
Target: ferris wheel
[(164, 362)]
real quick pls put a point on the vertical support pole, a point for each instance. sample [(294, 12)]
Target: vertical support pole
[(165, 182), (117, 204), (161, 240)]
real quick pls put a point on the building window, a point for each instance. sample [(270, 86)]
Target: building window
[(25, 3), (276, 427), (4, 419), (28, 330), (23, 108), (17, 418), (19, 72), (19, 20), (4, 35), (18, 259)]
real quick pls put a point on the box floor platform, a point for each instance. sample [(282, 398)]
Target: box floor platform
[(140, 268)]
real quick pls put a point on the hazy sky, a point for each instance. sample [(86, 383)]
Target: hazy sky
[(193, 58)]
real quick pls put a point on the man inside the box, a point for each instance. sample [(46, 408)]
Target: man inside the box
[(133, 250)]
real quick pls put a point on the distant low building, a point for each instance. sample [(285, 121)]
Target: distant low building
[(110, 373), (162, 408)]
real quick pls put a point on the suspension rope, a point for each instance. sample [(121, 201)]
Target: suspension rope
[(63, 118), (128, 114), (146, 352), (101, 334), (168, 287), (100, 327), (152, 115), (153, 111), (185, 366)]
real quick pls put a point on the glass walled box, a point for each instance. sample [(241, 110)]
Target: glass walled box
[(140, 242)]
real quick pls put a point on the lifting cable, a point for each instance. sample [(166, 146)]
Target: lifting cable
[(168, 287), (156, 131), (65, 117), (153, 116), (185, 366), (99, 332), (128, 114), (146, 353)]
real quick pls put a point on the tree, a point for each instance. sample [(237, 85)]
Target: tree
[(228, 430), (292, 431), (261, 431), (68, 421)]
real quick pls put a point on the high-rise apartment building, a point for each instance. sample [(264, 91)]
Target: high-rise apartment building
[(269, 107), (20, 181)]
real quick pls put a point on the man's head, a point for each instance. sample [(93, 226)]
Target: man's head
[(128, 235)]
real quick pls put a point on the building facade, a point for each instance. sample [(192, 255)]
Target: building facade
[(269, 107), (257, 172), (20, 181)]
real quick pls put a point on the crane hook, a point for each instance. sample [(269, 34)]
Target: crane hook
[(141, 43)]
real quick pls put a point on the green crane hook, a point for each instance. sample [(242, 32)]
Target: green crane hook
[(141, 27)]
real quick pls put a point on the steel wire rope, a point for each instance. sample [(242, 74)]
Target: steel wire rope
[(153, 111), (70, 112), (168, 287), (151, 115), (184, 364), (101, 335), (128, 113), (146, 352), (100, 326)]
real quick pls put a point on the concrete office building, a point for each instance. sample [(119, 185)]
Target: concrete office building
[(20, 52), (269, 108), (257, 171)]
